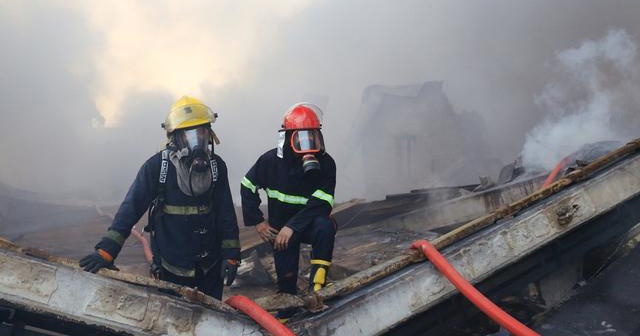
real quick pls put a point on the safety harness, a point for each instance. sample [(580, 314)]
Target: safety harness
[(158, 207)]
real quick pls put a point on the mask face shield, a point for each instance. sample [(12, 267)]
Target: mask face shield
[(307, 141), (194, 138)]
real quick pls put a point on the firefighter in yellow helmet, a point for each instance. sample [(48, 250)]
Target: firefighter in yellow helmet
[(192, 221)]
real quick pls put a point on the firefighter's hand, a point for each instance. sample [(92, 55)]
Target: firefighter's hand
[(266, 232), (282, 239), (97, 260), (229, 270)]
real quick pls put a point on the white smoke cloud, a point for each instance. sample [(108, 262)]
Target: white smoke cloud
[(593, 97), (68, 65), (176, 46)]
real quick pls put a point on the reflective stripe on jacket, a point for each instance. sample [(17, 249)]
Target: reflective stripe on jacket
[(194, 231), (294, 198)]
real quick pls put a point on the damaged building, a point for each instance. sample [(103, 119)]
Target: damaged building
[(410, 137), (523, 243)]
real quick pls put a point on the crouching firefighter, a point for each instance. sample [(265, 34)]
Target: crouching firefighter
[(192, 222), (299, 178)]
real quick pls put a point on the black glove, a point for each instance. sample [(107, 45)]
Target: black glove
[(94, 262), (229, 269)]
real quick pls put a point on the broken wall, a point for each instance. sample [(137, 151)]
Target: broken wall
[(411, 138)]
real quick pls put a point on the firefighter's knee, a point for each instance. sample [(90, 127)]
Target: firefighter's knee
[(325, 228)]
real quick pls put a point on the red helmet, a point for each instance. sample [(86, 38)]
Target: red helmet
[(302, 116)]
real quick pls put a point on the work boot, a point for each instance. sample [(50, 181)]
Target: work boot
[(318, 274)]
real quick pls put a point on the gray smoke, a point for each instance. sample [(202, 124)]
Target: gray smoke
[(591, 97), (61, 61)]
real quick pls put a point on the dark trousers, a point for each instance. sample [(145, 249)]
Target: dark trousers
[(209, 283), (321, 235)]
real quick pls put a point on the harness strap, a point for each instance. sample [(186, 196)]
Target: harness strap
[(164, 167), (159, 208), (214, 171)]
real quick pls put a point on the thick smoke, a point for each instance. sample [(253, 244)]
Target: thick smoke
[(84, 85), (592, 97)]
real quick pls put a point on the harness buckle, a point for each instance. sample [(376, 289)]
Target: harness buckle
[(203, 209), (203, 254), (201, 231)]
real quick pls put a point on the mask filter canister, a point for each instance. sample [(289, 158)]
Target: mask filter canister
[(310, 163)]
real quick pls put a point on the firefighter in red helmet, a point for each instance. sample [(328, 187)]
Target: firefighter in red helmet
[(299, 178)]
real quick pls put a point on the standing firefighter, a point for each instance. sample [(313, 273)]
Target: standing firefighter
[(299, 178), (192, 222)]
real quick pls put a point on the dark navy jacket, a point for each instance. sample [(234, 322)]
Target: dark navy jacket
[(294, 199), (182, 241)]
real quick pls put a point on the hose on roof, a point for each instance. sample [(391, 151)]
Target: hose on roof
[(148, 255), (485, 305), (261, 316), (554, 173)]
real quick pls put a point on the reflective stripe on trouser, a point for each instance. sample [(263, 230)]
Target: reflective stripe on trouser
[(321, 235)]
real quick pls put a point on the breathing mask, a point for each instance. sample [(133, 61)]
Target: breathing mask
[(310, 163), (196, 141), (308, 143)]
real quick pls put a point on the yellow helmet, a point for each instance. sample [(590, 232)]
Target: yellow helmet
[(188, 112)]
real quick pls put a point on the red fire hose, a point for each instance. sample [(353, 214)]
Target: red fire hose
[(494, 312), (556, 170), (242, 303), (148, 255), (261, 316)]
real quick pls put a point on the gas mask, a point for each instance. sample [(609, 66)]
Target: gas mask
[(192, 159), (310, 163), (308, 143), (195, 142)]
